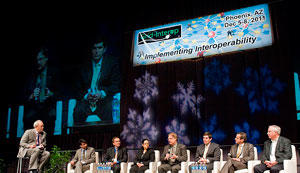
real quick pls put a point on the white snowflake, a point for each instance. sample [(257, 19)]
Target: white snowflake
[(139, 127), (187, 100), (146, 88), (180, 130)]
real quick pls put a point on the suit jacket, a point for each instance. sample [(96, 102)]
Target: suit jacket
[(29, 138), (283, 150), (247, 152), (109, 80), (90, 156), (180, 152), (148, 157), (121, 157), (213, 152)]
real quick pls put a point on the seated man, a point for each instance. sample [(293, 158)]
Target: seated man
[(84, 157), (276, 149), (172, 155), (240, 154), (207, 153), (115, 155), (32, 144)]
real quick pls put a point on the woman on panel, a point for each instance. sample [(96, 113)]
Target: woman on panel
[(142, 159)]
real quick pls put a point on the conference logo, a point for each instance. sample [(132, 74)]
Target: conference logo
[(161, 34)]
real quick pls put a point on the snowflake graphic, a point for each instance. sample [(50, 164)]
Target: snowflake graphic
[(139, 127), (261, 88), (212, 126), (253, 134), (179, 129), (146, 88), (186, 100), (216, 76)]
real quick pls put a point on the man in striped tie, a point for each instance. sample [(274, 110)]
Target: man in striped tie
[(32, 144), (239, 155), (84, 156)]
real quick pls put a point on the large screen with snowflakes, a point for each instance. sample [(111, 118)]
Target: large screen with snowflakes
[(224, 32)]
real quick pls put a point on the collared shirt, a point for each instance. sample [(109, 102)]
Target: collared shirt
[(241, 146), (83, 154), (205, 150), (273, 149), (96, 74), (115, 159), (173, 151), (38, 138)]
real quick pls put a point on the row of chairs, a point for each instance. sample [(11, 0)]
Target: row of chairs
[(290, 166)]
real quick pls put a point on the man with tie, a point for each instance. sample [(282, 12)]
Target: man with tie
[(33, 145), (84, 156), (276, 149), (41, 93), (172, 155), (207, 153), (98, 82), (239, 155), (115, 155)]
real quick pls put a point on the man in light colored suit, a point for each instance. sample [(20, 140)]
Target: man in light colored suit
[(32, 144), (239, 155), (207, 153), (276, 149), (84, 156), (172, 155)]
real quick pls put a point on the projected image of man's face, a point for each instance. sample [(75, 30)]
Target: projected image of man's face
[(41, 60), (98, 50)]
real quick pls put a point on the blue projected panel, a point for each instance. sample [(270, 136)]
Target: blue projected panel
[(236, 30), (297, 94)]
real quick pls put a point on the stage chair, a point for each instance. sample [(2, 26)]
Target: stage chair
[(290, 166), (216, 167), (20, 163), (92, 166), (183, 164), (152, 165), (249, 170)]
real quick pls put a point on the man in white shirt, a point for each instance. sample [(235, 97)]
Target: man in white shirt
[(208, 152), (276, 149)]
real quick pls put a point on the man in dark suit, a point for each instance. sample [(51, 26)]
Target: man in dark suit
[(100, 80), (41, 93), (207, 153), (172, 155), (33, 145), (84, 156), (115, 155), (276, 149), (239, 155)]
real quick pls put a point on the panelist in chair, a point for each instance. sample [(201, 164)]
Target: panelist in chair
[(208, 152), (144, 156), (84, 156), (172, 155), (276, 149), (33, 145), (115, 155), (239, 155)]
